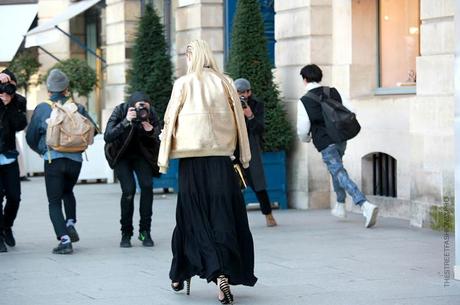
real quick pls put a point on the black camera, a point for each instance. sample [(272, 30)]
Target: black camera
[(244, 101), (7, 88), (142, 112)]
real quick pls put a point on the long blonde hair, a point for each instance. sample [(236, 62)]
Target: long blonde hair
[(200, 57)]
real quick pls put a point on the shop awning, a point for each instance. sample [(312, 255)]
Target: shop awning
[(14, 22), (48, 32)]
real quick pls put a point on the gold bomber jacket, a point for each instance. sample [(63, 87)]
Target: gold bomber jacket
[(204, 117)]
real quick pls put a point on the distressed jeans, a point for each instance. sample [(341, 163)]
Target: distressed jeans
[(332, 157), (124, 172)]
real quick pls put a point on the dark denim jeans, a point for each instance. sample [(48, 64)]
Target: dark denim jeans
[(332, 157), (61, 175), (10, 187), (124, 170)]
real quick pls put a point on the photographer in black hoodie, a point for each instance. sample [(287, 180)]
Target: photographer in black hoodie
[(132, 145), (12, 119)]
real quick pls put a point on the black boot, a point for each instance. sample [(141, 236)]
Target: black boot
[(73, 234), (63, 248), (2, 244), (125, 240), (9, 238), (146, 239)]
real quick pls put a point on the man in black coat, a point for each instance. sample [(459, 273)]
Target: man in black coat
[(12, 119), (254, 114), (132, 145)]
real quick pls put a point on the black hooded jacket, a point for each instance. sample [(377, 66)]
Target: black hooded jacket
[(12, 119), (119, 134)]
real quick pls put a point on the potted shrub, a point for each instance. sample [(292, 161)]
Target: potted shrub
[(24, 66), (151, 72)]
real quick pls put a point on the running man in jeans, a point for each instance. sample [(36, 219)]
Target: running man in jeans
[(310, 119)]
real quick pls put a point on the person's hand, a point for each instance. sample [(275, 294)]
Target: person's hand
[(248, 112), (4, 78), (131, 114), (147, 126)]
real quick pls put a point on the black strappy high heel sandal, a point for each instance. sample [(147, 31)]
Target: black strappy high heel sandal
[(225, 288), (180, 286)]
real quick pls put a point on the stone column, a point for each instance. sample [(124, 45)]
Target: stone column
[(120, 21), (47, 9), (432, 114), (303, 30), (199, 19)]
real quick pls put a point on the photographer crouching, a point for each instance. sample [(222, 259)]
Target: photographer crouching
[(254, 113), (132, 145), (12, 119)]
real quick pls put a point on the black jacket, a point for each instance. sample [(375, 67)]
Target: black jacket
[(319, 134), (256, 126), (119, 133), (12, 119)]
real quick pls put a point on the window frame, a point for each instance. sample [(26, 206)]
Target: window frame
[(379, 90)]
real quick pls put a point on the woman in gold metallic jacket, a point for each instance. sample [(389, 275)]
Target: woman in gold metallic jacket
[(204, 122)]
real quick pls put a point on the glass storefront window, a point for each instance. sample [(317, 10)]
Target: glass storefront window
[(399, 42), (166, 9)]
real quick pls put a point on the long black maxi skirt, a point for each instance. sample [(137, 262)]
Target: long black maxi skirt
[(212, 235)]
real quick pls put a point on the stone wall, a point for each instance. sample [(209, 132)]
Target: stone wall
[(414, 129), (303, 33), (199, 19), (47, 9), (432, 114), (120, 22)]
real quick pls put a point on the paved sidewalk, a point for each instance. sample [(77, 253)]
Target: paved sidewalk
[(311, 258)]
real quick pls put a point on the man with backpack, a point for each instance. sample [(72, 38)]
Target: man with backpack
[(62, 153), (322, 117)]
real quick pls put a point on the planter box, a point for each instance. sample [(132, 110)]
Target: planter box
[(170, 179), (275, 175)]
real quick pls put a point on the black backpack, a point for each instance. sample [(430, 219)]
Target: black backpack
[(341, 123)]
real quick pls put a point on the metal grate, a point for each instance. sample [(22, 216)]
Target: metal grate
[(384, 175)]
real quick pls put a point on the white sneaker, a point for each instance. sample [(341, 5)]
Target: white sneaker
[(370, 212), (339, 210)]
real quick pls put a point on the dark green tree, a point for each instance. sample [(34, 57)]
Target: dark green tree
[(24, 65), (151, 69), (249, 59), (82, 78)]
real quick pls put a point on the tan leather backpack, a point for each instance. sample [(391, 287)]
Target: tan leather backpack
[(68, 130)]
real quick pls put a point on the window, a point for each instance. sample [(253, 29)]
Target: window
[(166, 9), (268, 14), (399, 44), (379, 175)]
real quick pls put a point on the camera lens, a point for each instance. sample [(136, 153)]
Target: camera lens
[(7, 88)]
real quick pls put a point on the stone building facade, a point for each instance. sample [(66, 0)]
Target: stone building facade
[(404, 157)]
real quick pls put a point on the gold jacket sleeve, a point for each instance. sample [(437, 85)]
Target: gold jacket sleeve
[(170, 118), (243, 141)]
